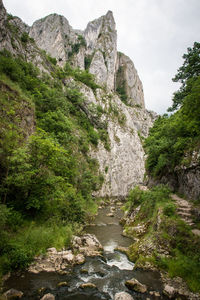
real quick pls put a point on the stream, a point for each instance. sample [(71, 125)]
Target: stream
[(108, 272)]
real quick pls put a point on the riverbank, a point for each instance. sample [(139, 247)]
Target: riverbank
[(73, 274), (163, 241), (95, 266)]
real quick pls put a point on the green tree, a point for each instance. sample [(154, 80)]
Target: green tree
[(172, 137), (189, 70)]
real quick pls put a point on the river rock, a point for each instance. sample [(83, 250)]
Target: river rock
[(122, 249), (88, 285), (135, 285), (169, 291), (112, 209), (12, 294), (48, 297), (110, 214), (68, 256), (58, 261), (123, 296), (80, 259), (52, 250), (154, 293), (62, 283), (87, 245)]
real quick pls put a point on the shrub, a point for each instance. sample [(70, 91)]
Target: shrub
[(169, 209), (25, 37)]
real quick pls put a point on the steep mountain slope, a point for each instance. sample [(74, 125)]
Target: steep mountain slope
[(120, 95)]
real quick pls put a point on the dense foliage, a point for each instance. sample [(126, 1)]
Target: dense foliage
[(47, 177), (173, 138), (165, 230)]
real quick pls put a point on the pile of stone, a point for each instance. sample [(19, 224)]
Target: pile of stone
[(58, 261)]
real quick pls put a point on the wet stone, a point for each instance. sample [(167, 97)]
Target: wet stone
[(48, 297), (110, 215), (88, 285), (12, 294), (62, 283), (169, 291), (123, 296), (136, 286)]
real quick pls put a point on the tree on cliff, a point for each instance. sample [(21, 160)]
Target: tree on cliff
[(186, 75), (172, 137)]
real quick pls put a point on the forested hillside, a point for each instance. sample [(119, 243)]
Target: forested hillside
[(174, 140), (47, 176)]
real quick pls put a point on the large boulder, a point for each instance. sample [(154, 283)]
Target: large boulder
[(89, 285), (87, 245), (123, 296), (169, 291), (48, 297), (12, 294), (134, 285)]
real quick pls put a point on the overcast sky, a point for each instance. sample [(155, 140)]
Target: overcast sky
[(153, 33)]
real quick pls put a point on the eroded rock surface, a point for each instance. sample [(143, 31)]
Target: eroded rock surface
[(127, 79), (58, 261), (123, 296), (48, 296), (135, 285), (12, 294)]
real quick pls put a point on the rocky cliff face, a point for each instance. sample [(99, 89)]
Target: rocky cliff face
[(101, 39), (125, 121), (122, 163), (128, 81), (14, 38), (54, 34), (185, 178)]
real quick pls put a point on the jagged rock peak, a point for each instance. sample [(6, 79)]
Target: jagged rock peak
[(54, 34), (128, 81), (2, 9), (101, 39)]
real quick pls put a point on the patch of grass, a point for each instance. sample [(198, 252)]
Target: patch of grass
[(183, 266), (32, 240), (171, 234)]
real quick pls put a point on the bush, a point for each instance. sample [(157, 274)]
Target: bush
[(51, 177), (169, 209), (25, 37)]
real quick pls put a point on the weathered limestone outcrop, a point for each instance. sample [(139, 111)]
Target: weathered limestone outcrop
[(128, 81), (54, 34), (14, 38), (123, 163), (58, 261), (185, 178), (101, 37), (188, 177)]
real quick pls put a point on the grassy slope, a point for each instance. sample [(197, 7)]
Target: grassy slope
[(167, 242)]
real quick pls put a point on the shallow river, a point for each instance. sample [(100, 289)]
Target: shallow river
[(108, 273)]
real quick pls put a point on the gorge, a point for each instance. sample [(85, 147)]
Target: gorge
[(72, 160)]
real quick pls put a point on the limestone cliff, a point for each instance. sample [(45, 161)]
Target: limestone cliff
[(101, 39), (54, 34), (14, 38), (128, 82), (125, 121)]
